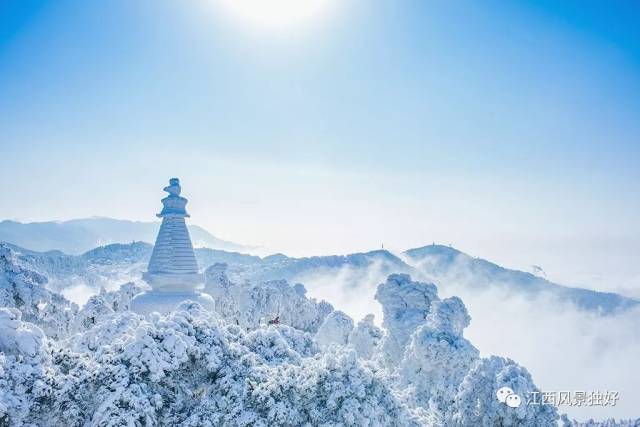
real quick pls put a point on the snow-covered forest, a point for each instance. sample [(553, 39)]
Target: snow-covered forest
[(104, 365)]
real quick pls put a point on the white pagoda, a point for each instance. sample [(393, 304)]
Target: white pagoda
[(173, 270)]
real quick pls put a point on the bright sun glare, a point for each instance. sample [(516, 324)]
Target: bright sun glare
[(276, 14)]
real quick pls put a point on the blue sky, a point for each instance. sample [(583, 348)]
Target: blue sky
[(509, 129)]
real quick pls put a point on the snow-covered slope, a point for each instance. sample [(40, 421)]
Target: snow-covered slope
[(106, 266), (279, 266), (80, 235), (448, 266), (108, 366), (119, 263), (104, 365), (25, 290)]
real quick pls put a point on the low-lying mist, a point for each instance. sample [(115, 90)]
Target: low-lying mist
[(79, 291)]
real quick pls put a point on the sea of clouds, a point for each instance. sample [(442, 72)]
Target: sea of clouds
[(564, 348)]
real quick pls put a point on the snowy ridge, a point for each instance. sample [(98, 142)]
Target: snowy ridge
[(116, 253), (25, 290), (447, 265)]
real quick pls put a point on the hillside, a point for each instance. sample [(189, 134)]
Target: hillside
[(444, 265), (106, 365), (448, 266)]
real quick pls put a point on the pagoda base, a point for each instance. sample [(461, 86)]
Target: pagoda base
[(173, 282), (165, 302)]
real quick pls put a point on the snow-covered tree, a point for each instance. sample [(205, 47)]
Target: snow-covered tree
[(104, 304), (18, 337), (333, 389), (405, 305), (225, 294), (365, 337), (25, 290), (438, 358), (335, 329), (192, 368), (476, 403), (25, 383), (250, 304), (611, 422)]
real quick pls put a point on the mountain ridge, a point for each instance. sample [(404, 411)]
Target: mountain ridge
[(443, 265), (76, 236)]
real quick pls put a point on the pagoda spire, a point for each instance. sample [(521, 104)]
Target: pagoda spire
[(173, 262), (173, 271)]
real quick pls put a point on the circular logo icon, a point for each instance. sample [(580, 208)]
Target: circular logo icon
[(502, 394), (513, 401)]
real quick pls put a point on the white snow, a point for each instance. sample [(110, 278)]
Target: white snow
[(106, 365), (334, 330), (365, 337)]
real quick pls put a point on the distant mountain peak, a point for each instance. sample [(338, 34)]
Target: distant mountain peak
[(80, 235), (446, 264), (433, 249)]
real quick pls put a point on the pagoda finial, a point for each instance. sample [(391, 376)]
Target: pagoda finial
[(174, 187), (173, 204)]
